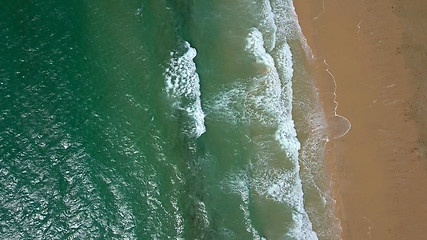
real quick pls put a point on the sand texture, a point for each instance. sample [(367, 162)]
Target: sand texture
[(376, 52)]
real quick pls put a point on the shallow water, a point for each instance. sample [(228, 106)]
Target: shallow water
[(159, 120)]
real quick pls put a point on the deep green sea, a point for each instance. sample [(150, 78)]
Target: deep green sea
[(159, 119)]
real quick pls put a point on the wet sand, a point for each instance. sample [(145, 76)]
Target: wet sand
[(376, 52)]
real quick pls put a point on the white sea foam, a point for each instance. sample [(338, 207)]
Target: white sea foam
[(267, 100), (272, 92), (268, 26), (286, 20), (182, 82), (239, 183), (265, 90), (201, 208), (228, 105), (271, 96), (312, 155), (289, 29), (179, 220)]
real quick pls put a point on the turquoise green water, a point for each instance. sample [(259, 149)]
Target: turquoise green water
[(159, 120)]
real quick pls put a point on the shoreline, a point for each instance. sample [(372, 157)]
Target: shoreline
[(374, 51)]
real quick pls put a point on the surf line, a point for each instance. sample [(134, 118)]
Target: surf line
[(336, 125), (339, 118)]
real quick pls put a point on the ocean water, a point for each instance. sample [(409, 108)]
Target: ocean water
[(160, 119)]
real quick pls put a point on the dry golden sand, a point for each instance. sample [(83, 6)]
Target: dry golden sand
[(377, 52)]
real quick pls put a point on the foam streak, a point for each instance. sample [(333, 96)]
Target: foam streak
[(183, 83)]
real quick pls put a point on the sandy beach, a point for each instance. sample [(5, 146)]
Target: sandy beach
[(376, 53)]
